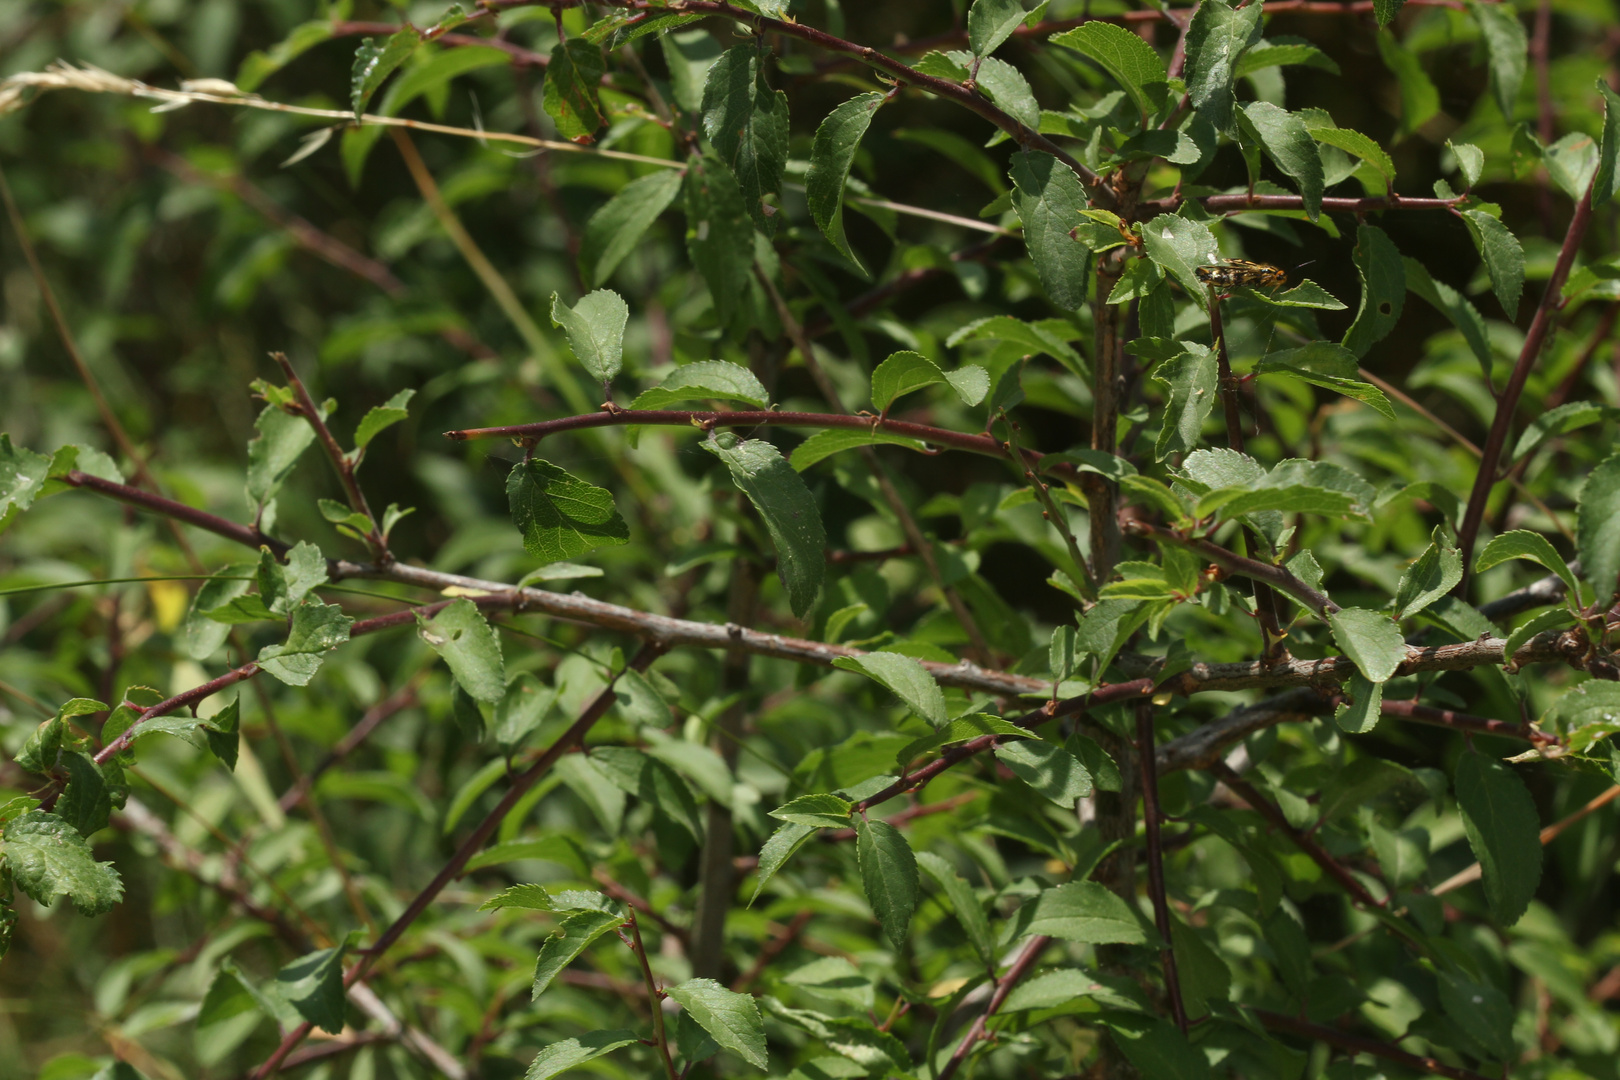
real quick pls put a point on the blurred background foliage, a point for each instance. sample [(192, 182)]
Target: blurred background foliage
[(183, 252)]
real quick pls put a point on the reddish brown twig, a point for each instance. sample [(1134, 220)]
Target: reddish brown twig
[(1507, 404), (1021, 967), (1155, 859)]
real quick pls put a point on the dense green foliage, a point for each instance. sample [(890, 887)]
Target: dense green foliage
[(897, 599)]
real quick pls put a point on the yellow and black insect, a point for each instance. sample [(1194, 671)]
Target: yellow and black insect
[(1232, 273)]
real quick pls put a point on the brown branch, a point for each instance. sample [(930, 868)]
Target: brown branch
[(1004, 986), (1428, 714), (1359, 1044), (1204, 745), (1278, 577), (910, 813), (246, 535), (341, 462), (1155, 859), (1317, 854), (1507, 404), (529, 434), (954, 755)]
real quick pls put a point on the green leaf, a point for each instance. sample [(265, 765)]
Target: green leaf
[(730, 1018), (1561, 421), (22, 478), (1553, 619), (91, 794), (906, 371), (1192, 383), (574, 935), (1524, 544), (463, 637), (831, 155), (571, 94), (1279, 52), (1386, 10), (962, 151), (1504, 258), (48, 859), (1429, 578), (747, 122), (1420, 101), (1333, 367), (824, 444), (381, 417), (1288, 143), (595, 331), (1470, 161), (561, 516), (653, 782), (1065, 985), (1007, 87), (1571, 163), (1360, 713), (1507, 47), (223, 734), (261, 64), (1597, 529), (373, 64), (964, 904), (281, 438), (702, 381), (526, 702), (1048, 199), (1503, 829), (688, 55), (1130, 60), (1103, 769), (889, 875), (907, 679), (1588, 713), (559, 1057), (1363, 146), (1203, 974), (777, 850), (1081, 911), (719, 234), (313, 984), (1383, 291), (1157, 1049), (1216, 39), (991, 22), (1607, 179), (788, 509), (836, 978), (616, 228), (1295, 486), (1371, 639), (1052, 771), (317, 628), (1180, 246), (1463, 315), (821, 811), (522, 897), (1483, 1012)]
